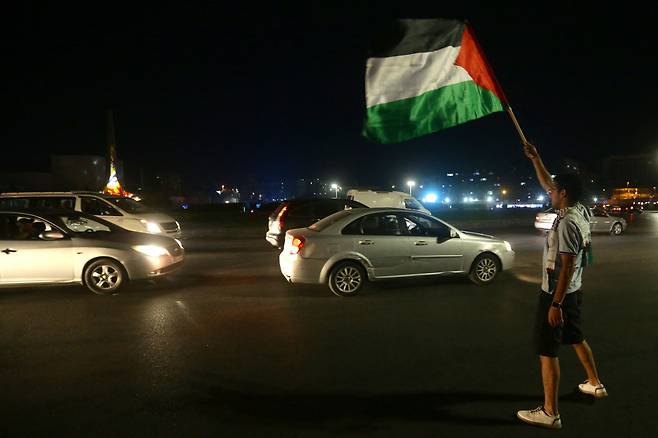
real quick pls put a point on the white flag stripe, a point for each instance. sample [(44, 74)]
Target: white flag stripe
[(401, 77)]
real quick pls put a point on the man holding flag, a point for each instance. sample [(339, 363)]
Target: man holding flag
[(558, 317), (426, 75)]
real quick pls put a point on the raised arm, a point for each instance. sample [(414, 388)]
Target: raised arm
[(543, 176)]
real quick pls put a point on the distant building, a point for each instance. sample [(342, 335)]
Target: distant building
[(626, 194)]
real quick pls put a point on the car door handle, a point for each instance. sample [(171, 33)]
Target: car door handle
[(8, 250), (420, 243), (366, 242)]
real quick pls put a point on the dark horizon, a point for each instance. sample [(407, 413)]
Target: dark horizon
[(221, 94)]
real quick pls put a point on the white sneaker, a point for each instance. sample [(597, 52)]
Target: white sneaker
[(539, 417), (597, 391)]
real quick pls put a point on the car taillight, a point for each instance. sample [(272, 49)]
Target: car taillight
[(277, 224), (297, 244)]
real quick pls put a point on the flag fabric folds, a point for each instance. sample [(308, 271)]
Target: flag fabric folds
[(426, 75)]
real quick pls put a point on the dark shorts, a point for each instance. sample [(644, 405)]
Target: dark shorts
[(548, 339)]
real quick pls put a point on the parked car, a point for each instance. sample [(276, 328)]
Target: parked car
[(351, 247), (626, 210), (68, 247), (301, 213), (544, 219), (120, 210), (389, 199), (600, 221)]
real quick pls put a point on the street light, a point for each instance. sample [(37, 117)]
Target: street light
[(411, 185), (335, 187)]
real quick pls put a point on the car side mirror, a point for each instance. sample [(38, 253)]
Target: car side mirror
[(453, 233), (51, 235)]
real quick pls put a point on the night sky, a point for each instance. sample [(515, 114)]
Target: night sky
[(278, 91)]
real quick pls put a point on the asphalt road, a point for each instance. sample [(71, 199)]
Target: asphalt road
[(226, 346)]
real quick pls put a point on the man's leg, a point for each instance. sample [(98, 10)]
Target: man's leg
[(586, 357), (550, 376)]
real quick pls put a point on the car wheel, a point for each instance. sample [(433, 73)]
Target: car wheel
[(347, 279), (617, 229), (105, 276), (484, 270)]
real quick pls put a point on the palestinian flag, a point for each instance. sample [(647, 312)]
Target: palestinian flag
[(424, 76)]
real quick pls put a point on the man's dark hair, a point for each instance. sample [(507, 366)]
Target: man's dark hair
[(572, 184)]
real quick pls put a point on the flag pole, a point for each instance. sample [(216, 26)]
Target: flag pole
[(509, 110), (506, 104)]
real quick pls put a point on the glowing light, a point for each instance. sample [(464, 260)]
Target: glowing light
[(446, 201), (489, 198), (151, 227), (335, 187), (431, 198), (151, 250), (540, 198), (504, 192), (411, 185)]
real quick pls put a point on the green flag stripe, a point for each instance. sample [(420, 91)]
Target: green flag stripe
[(429, 112)]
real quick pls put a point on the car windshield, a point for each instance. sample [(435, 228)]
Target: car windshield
[(79, 224), (412, 204), (329, 220), (129, 205)]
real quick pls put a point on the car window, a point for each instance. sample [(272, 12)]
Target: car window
[(329, 220), (39, 202), (16, 227), (412, 204), (97, 207), (78, 224), (381, 225), (423, 226), (354, 228)]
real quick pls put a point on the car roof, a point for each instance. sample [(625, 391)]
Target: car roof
[(73, 193), (367, 210)]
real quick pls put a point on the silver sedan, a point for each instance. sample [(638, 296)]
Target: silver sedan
[(348, 248), (71, 247), (600, 221)]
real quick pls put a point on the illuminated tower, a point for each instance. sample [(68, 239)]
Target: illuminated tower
[(113, 186)]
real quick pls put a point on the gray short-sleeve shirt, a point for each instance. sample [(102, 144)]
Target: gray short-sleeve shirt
[(569, 241)]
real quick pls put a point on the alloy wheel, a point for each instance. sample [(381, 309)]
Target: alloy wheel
[(486, 269), (348, 280)]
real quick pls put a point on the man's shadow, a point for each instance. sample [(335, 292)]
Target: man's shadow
[(361, 410)]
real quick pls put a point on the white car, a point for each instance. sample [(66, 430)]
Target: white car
[(348, 248), (390, 199), (121, 211), (600, 222), (77, 248)]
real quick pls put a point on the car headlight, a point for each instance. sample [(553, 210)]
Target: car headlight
[(508, 247), (151, 250), (151, 227)]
